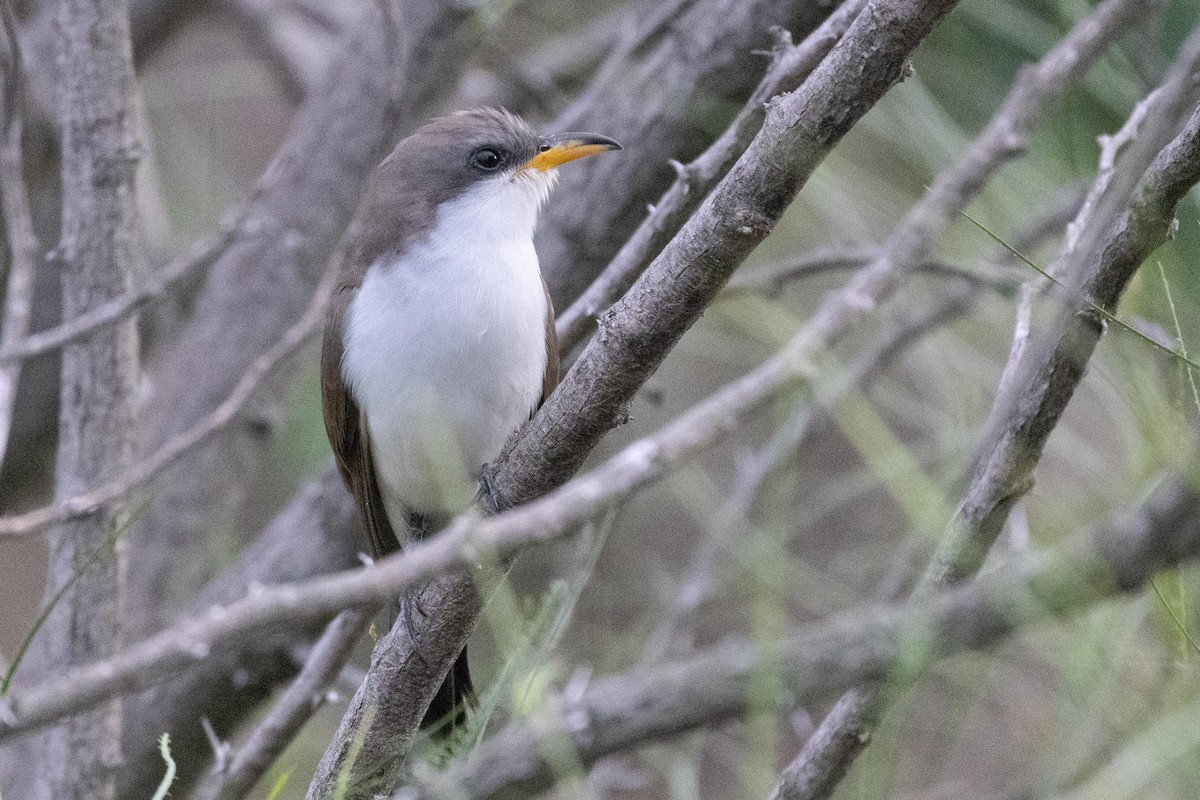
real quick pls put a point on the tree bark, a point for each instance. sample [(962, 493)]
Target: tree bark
[(95, 444)]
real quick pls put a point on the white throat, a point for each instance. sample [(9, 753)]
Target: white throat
[(445, 345)]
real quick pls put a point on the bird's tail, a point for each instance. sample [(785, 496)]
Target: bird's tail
[(448, 711)]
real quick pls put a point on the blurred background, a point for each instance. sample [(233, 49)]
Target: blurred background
[(712, 553)]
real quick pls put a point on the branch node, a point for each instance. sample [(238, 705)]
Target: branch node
[(782, 42), (221, 749), (8, 717)]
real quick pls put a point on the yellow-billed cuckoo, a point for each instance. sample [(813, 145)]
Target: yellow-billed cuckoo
[(440, 340)]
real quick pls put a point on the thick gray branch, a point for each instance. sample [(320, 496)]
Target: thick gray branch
[(95, 442), (371, 744)]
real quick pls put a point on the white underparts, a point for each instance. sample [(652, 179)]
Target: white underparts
[(445, 345)]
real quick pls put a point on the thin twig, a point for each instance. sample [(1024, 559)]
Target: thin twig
[(289, 713), (177, 446), (699, 584), (158, 286), (1031, 288), (772, 279)]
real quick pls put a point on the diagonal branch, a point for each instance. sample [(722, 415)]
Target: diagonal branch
[(157, 287), (182, 443), (637, 333), (289, 713)]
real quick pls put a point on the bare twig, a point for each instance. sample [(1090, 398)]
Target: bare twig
[(157, 287), (24, 251), (699, 584), (791, 66), (772, 279), (1163, 105), (289, 713), (828, 753), (179, 445), (619, 712)]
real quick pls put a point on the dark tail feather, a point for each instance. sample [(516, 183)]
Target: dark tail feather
[(449, 707)]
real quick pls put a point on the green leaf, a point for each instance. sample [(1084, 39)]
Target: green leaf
[(277, 787), (1176, 623)]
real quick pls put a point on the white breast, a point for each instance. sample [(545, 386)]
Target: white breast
[(445, 347)]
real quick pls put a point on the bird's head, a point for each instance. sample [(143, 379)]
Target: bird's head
[(487, 162)]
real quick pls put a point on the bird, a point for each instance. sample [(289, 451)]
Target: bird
[(439, 340)]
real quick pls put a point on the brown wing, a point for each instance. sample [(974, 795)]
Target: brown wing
[(550, 376), (347, 431)]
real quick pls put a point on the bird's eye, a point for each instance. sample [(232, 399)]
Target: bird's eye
[(486, 158)]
